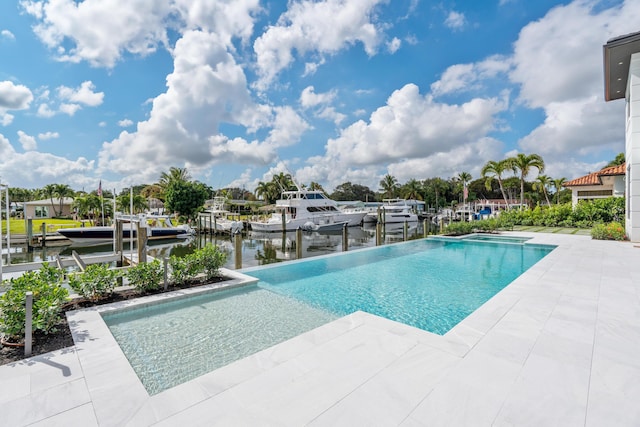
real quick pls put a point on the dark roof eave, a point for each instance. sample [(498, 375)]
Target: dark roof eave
[(617, 55)]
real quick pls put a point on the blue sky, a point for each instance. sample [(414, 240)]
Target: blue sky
[(330, 91)]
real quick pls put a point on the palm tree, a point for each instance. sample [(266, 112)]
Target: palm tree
[(316, 187), (495, 170), (283, 182), (541, 184), (557, 184), (439, 186), (388, 186), (523, 163), (412, 190), (49, 191), (174, 174), (123, 203), (268, 191), (465, 178), (62, 191), (87, 205), (620, 159)]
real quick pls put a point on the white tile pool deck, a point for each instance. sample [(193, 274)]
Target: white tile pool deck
[(558, 346)]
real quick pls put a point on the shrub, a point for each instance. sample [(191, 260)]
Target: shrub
[(146, 276), (96, 282), (459, 228), (611, 231), (183, 268), (210, 259), (48, 299)]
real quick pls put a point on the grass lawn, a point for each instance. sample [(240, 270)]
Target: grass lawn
[(18, 225), (558, 230)]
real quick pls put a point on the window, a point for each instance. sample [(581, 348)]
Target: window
[(42, 212), (595, 193)]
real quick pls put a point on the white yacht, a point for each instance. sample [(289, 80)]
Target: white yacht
[(392, 211), (217, 217), (301, 208)]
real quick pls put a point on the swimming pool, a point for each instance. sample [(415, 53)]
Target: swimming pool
[(431, 284)]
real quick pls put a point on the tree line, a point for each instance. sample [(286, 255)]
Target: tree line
[(502, 179)]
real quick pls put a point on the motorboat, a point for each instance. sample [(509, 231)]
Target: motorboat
[(216, 218), (158, 227), (393, 211), (299, 207), (333, 226)]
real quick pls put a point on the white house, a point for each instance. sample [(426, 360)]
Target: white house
[(45, 208), (622, 80), (605, 183)]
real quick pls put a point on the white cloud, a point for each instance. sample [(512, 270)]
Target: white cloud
[(467, 77), (559, 57), (78, 31), (288, 127), (6, 34), (81, 95), (455, 20), (577, 127), (320, 102), (14, 97), (558, 65), (207, 87), (412, 125), (309, 99), (28, 142), (394, 45), (125, 123), (133, 26), (413, 136), (45, 111), (33, 169), (48, 135), (323, 27), (69, 109)]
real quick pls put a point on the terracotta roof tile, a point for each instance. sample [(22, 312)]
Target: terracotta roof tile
[(594, 178)]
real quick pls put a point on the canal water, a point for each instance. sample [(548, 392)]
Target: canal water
[(257, 248)]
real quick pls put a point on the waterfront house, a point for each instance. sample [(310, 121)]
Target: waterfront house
[(605, 183), (48, 208)]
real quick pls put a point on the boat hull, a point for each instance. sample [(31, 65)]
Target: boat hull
[(292, 224), (105, 234)]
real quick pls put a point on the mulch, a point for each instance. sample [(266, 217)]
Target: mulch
[(62, 338)]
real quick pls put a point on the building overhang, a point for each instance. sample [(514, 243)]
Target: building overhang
[(617, 56)]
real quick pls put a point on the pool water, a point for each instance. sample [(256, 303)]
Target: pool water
[(173, 342), (431, 284), (496, 238)]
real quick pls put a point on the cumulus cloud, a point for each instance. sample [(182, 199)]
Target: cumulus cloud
[(14, 97), (455, 20), (84, 94), (412, 135), (413, 125), (28, 142), (206, 88), (320, 103), (33, 169), (557, 63), (48, 135), (125, 123), (324, 28), (467, 77), (79, 31)]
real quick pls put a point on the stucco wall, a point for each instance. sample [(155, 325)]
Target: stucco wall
[(633, 149)]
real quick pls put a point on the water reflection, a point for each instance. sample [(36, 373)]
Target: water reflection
[(256, 248)]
